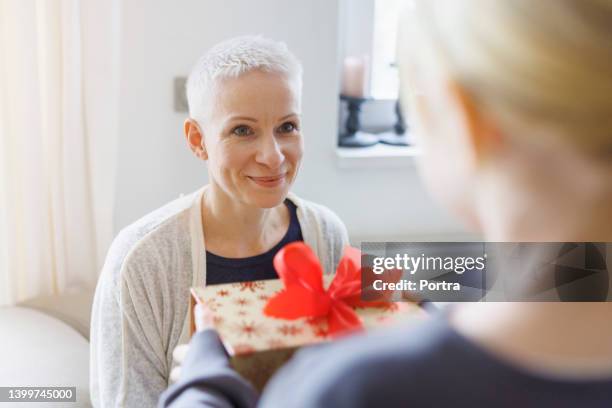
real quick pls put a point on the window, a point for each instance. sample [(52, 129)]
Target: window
[(370, 132), (369, 28), (384, 82)]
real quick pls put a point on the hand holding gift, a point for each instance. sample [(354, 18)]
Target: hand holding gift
[(203, 319), (262, 323)]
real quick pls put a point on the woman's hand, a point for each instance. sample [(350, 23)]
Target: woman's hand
[(204, 319)]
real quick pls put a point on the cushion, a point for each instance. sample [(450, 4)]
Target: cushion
[(74, 309), (39, 350)]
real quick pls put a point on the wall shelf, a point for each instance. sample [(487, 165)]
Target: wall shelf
[(377, 156)]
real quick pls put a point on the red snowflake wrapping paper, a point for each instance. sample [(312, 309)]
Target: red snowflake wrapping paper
[(260, 344)]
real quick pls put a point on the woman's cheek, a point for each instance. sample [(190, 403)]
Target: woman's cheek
[(294, 150), (234, 156), (434, 157), (291, 148)]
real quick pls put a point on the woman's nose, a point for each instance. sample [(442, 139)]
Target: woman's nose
[(270, 153)]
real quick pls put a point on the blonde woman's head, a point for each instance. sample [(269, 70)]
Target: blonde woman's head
[(513, 100)]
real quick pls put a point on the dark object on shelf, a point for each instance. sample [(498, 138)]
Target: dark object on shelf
[(397, 136), (353, 136)]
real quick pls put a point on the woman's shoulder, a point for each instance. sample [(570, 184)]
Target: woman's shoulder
[(360, 369), (323, 230), (320, 215), (424, 364), (153, 237)]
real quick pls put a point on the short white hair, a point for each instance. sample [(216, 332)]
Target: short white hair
[(233, 58)]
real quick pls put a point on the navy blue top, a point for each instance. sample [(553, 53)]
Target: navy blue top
[(228, 270), (425, 365)]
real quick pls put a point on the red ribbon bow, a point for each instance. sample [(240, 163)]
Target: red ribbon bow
[(305, 296)]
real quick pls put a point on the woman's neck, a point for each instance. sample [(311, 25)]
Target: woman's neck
[(565, 201), (553, 198), (560, 222), (235, 229), (554, 338)]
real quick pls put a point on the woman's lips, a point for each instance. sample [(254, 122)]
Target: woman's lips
[(269, 181)]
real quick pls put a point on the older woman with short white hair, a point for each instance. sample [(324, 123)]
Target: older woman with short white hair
[(244, 105)]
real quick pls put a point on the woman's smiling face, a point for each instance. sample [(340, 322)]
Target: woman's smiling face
[(252, 137)]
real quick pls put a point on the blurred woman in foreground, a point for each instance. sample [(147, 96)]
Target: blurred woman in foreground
[(512, 105)]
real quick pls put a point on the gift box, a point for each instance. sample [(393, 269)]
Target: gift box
[(262, 323)]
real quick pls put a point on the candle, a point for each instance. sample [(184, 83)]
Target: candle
[(354, 76)]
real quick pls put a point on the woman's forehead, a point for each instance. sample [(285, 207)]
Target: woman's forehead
[(258, 95)]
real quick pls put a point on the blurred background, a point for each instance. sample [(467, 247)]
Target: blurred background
[(91, 116)]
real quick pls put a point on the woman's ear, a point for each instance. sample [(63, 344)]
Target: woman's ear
[(195, 138), (483, 135)]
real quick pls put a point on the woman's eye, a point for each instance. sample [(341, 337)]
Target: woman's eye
[(242, 130), (288, 127)]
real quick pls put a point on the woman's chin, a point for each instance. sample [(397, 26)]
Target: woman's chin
[(267, 196), (267, 199), (268, 202)]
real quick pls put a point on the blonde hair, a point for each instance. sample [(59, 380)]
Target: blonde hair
[(543, 63)]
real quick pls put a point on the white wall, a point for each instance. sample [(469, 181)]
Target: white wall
[(161, 39)]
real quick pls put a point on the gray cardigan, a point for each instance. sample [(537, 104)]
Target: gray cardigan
[(140, 311)]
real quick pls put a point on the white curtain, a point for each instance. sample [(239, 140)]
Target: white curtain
[(58, 126)]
